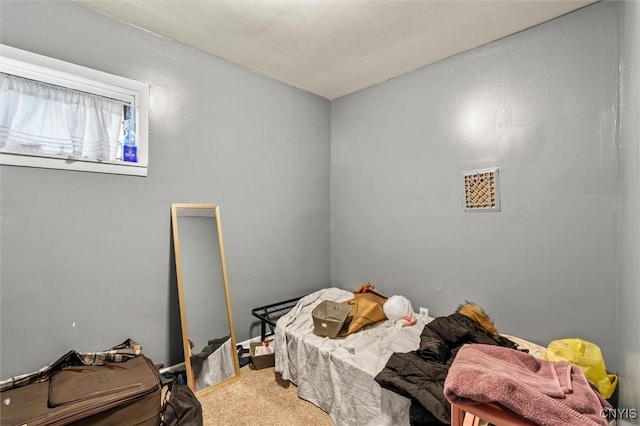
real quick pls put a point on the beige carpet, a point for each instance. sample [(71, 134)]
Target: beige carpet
[(258, 398)]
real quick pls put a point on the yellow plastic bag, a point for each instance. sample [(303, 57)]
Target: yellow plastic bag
[(588, 357)]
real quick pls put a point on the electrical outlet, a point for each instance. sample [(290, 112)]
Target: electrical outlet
[(424, 312)]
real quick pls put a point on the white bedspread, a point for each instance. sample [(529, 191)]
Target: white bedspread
[(219, 366), (337, 374)]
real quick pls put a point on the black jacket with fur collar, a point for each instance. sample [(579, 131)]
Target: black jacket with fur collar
[(420, 375)]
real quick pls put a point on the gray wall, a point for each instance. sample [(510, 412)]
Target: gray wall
[(542, 105), (628, 314), (94, 250)]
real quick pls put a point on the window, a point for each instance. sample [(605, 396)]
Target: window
[(55, 114)]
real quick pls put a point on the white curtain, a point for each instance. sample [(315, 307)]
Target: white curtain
[(43, 119)]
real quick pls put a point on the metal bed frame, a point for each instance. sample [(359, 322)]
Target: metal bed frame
[(269, 315)]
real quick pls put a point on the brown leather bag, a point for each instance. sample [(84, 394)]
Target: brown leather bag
[(119, 393), (366, 309)]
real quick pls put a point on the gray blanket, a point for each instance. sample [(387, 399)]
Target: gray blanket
[(337, 374)]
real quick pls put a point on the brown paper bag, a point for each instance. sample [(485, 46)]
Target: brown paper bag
[(366, 309)]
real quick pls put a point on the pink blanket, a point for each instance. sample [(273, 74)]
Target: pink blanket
[(547, 393)]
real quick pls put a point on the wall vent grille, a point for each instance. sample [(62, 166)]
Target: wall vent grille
[(481, 190)]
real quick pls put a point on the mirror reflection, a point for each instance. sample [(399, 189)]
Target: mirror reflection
[(203, 291)]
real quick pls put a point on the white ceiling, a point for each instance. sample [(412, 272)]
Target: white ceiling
[(333, 48)]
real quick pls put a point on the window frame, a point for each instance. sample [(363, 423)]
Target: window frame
[(65, 74)]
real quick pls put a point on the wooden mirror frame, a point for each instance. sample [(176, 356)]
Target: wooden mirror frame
[(215, 209)]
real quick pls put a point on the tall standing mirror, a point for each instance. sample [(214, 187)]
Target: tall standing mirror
[(208, 336)]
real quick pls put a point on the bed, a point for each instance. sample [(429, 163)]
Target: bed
[(341, 375), (337, 374)]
